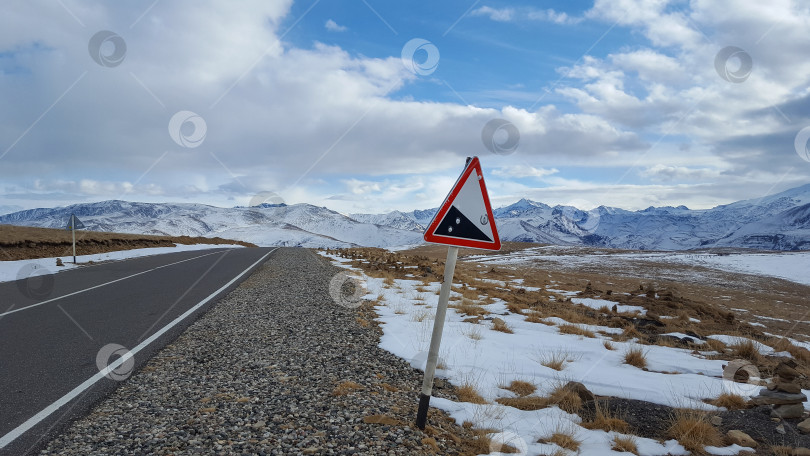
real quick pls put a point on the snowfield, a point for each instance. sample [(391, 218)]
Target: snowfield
[(475, 354), (15, 270), (792, 266)]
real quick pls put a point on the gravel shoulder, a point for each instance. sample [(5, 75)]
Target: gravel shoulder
[(260, 373)]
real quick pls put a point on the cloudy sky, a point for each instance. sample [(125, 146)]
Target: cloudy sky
[(370, 105)]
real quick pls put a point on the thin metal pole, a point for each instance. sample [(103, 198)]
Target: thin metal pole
[(436, 338), (73, 230)]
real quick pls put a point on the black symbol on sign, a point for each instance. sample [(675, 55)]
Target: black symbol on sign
[(455, 222)]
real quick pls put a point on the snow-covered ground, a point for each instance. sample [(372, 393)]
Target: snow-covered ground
[(15, 270), (792, 266), (475, 354)]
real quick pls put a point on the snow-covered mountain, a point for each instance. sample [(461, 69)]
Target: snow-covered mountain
[(776, 222), (267, 225)]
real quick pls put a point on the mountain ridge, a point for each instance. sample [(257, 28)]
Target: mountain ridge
[(775, 222)]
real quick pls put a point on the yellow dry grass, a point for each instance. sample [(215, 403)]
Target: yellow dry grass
[(624, 443), (575, 330), (730, 401), (564, 439), (562, 397), (692, 429), (606, 420), (468, 393), (470, 308), (521, 388), (746, 349), (500, 325), (636, 356)]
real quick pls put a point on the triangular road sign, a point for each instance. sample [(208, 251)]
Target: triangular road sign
[(465, 218), (74, 223)]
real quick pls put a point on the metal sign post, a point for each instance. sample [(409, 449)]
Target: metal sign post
[(465, 219), (436, 338), (73, 230), (72, 225)]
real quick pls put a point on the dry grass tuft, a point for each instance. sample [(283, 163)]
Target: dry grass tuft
[(630, 332), (637, 357), (345, 388), (482, 444), (576, 330), (470, 308), (554, 360), (606, 421), (431, 443), (517, 307), (799, 353), (422, 316), (565, 399), (730, 401), (500, 325), (468, 393), (609, 345), (564, 439), (692, 429), (746, 349), (716, 345), (521, 388), (473, 332), (537, 317), (625, 444)]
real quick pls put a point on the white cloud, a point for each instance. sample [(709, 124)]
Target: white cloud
[(668, 173), (498, 15), (549, 15), (518, 171), (333, 26), (531, 14)]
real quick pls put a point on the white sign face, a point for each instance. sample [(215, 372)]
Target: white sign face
[(74, 223)]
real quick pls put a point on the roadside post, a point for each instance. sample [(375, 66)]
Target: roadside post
[(464, 220), (74, 224)]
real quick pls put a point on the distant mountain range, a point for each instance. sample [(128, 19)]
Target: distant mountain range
[(776, 222)]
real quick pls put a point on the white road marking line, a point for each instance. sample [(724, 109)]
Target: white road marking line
[(47, 411), (101, 285)]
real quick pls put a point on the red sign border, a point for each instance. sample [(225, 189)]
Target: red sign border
[(429, 236)]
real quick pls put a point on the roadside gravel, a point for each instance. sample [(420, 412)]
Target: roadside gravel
[(258, 374)]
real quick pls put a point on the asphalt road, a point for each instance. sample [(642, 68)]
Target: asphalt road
[(56, 357)]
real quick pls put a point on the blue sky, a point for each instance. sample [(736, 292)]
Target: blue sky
[(620, 103)]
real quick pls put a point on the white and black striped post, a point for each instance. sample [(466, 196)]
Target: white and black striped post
[(436, 338)]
